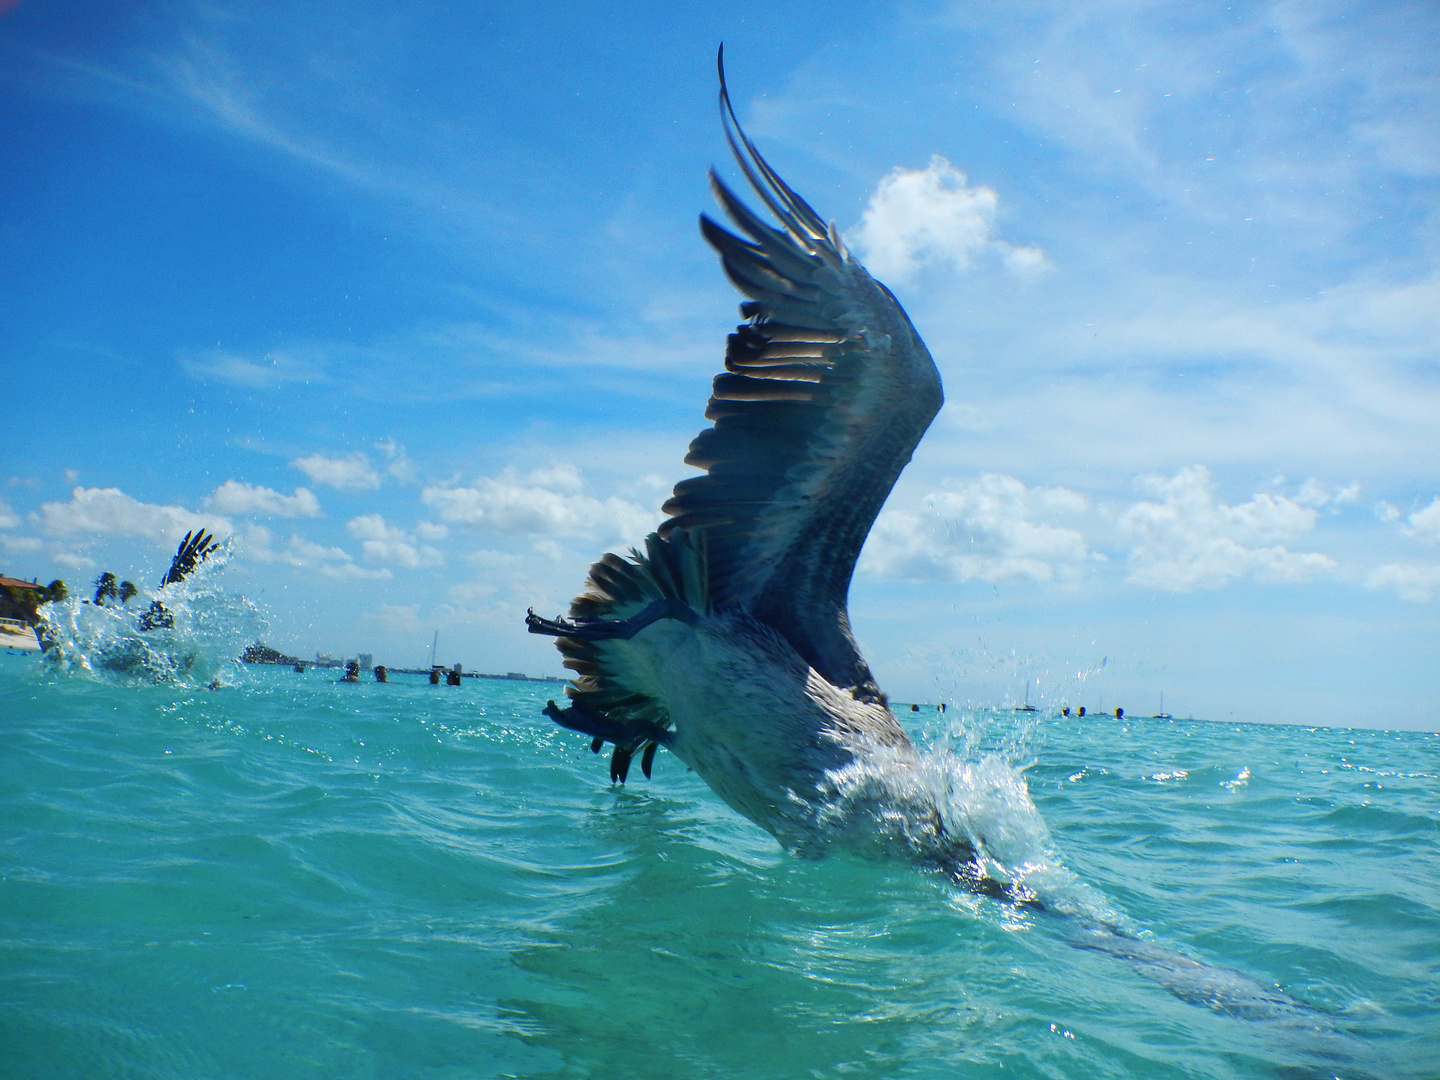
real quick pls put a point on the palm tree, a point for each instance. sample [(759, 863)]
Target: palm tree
[(105, 588)]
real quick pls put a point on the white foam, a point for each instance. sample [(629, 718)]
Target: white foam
[(210, 629)]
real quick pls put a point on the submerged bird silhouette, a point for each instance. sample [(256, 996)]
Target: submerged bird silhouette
[(727, 640)]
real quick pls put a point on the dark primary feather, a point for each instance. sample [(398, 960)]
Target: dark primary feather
[(193, 550), (827, 390)]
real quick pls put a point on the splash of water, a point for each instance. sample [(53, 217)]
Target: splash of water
[(975, 773), (982, 794), (199, 644)]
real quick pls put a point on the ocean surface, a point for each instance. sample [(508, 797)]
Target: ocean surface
[(209, 871)]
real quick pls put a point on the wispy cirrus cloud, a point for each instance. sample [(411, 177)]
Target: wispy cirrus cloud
[(267, 371)]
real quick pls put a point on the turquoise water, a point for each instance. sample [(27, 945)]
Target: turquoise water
[(286, 877)]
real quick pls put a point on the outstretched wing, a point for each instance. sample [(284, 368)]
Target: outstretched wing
[(827, 390), (192, 551)]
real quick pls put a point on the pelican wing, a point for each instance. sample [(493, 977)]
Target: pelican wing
[(193, 550), (827, 390)]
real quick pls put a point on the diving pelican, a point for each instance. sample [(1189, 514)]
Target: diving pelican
[(727, 640)]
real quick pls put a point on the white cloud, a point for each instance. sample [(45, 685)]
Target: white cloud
[(270, 370), (1411, 581), (1189, 540), (110, 512), (932, 217), (352, 473), (397, 463), (1314, 493), (386, 544), (18, 545), (472, 590), (542, 505), (400, 618), (73, 559), (8, 518), (986, 529), (258, 543), (1425, 524), (236, 497)]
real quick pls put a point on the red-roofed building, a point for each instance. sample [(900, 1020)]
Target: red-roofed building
[(19, 599)]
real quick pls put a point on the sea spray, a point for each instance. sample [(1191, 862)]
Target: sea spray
[(983, 795), (197, 641), (974, 768)]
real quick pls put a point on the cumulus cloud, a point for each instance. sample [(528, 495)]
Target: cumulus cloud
[(236, 497), (932, 217), (1188, 540), (1425, 524), (110, 512), (544, 504), (351, 473), (1416, 582), (258, 543), (991, 529), (8, 518), (386, 544)]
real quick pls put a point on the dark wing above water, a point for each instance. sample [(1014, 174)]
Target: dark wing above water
[(826, 392), (192, 552)]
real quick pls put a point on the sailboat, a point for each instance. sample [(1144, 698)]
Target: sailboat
[(1027, 707), (1162, 714)]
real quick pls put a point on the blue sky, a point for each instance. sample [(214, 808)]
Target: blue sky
[(412, 304)]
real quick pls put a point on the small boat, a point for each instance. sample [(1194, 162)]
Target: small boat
[(1162, 714), (1027, 707)]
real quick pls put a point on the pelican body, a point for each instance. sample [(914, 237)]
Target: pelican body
[(727, 640)]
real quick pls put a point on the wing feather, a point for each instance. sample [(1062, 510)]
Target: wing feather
[(826, 393)]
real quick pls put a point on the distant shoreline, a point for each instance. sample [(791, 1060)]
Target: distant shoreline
[(264, 655), (513, 676)]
